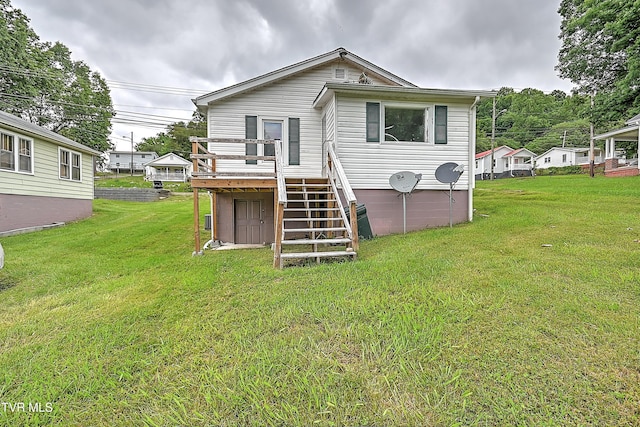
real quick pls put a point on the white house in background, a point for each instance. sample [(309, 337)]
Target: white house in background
[(615, 166), (567, 156), (120, 161), (45, 178), (169, 167), (505, 161), (518, 162), (335, 115)]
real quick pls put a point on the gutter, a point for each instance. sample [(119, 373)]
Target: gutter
[(472, 155)]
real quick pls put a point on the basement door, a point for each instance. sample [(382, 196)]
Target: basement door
[(248, 222)]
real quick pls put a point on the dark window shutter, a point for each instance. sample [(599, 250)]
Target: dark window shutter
[(294, 141), (441, 124), (373, 122), (251, 132)]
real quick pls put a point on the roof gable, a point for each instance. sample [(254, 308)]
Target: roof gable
[(169, 159), (635, 120), (11, 121), (297, 68), (523, 150), (495, 150)]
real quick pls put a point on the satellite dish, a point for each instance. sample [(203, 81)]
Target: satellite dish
[(1, 257), (405, 181), (449, 173)]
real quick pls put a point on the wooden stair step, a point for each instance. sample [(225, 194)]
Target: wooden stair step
[(290, 255), (310, 192), (340, 240), (306, 219), (311, 209), (304, 230)]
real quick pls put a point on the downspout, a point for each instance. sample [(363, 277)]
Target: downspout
[(472, 156)]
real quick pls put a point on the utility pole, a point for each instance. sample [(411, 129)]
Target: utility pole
[(493, 135), (131, 153), (592, 158)]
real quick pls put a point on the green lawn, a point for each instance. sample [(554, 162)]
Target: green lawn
[(138, 181), (111, 322)]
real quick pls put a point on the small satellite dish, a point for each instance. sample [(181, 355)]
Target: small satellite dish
[(1, 257), (449, 173), (405, 181)]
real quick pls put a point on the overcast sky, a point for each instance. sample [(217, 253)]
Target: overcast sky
[(144, 47)]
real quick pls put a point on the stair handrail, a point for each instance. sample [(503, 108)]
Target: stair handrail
[(334, 167), (282, 203)]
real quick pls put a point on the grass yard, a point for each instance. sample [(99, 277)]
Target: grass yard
[(111, 322), (127, 181)]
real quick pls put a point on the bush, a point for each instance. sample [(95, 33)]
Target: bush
[(565, 170)]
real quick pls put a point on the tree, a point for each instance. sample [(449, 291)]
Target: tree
[(39, 82), (176, 139), (533, 119), (600, 53)]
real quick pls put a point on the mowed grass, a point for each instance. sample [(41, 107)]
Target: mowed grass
[(114, 323)]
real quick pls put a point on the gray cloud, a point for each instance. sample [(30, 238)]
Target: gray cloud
[(210, 44)]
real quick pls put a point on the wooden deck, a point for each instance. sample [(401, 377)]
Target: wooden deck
[(309, 219)]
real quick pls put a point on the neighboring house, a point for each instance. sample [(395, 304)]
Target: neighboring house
[(169, 167), (614, 165), (342, 125), (518, 162), (483, 162), (45, 178), (566, 156), (120, 161)]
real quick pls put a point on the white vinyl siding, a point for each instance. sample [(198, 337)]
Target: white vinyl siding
[(45, 180), (370, 165), (288, 98)]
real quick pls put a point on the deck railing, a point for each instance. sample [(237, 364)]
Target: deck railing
[(282, 203), (337, 177), (205, 167)]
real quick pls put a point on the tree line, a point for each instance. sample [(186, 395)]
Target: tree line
[(600, 55), (39, 82)]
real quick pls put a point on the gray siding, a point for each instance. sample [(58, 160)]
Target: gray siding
[(290, 97), (369, 165)]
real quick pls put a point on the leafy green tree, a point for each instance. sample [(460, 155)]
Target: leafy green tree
[(176, 138), (41, 83), (533, 119), (570, 134), (600, 53)]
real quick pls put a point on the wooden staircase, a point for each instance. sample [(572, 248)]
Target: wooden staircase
[(314, 224)]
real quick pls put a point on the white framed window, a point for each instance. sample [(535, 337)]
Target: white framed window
[(25, 155), (16, 153), (70, 165), (7, 152), (406, 122)]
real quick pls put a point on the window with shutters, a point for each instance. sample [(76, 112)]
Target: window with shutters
[(285, 130), (395, 122)]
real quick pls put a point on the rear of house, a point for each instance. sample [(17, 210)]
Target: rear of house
[(567, 156), (335, 114), (45, 178)]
